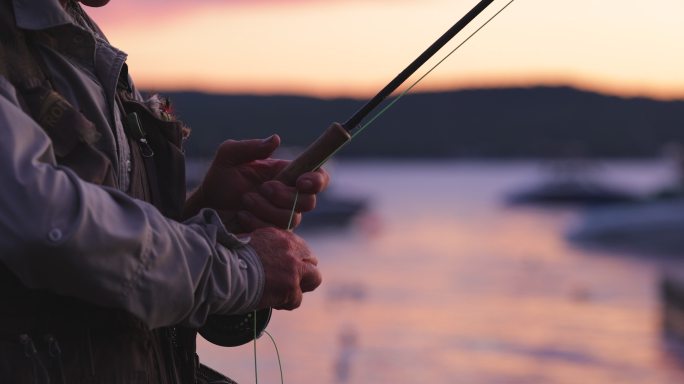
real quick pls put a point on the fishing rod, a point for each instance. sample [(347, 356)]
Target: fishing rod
[(337, 135), (235, 330)]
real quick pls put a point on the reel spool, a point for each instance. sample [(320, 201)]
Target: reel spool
[(235, 330)]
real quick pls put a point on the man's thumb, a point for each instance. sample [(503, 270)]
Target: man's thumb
[(234, 152)]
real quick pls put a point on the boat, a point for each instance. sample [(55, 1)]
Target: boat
[(570, 192), (333, 210), (653, 227), (571, 182)]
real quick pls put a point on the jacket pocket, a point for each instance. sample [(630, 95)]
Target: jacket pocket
[(158, 145), (73, 136)]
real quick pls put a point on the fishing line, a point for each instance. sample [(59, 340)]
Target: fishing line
[(292, 212), (280, 365), (256, 370)]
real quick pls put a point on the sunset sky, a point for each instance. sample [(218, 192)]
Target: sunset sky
[(354, 47)]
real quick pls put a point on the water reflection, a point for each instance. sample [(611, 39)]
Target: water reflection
[(347, 349), (458, 288)]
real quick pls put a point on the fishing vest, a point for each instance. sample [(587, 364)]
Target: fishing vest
[(46, 338)]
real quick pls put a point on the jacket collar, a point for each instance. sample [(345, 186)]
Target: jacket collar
[(40, 14)]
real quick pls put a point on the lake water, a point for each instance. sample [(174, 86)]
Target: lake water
[(443, 283)]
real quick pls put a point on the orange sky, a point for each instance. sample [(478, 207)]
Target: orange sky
[(354, 47)]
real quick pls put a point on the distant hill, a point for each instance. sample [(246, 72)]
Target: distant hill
[(500, 123)]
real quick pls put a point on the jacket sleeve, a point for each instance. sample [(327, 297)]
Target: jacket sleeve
[(77, 239)]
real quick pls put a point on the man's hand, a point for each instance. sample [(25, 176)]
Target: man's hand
[(289, 266), (240, 187)]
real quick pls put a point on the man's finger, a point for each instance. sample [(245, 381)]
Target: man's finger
[(248, 222), (236, 152), (313, 182), (283, 196), (293, 302), (311, 277), (263, 209)]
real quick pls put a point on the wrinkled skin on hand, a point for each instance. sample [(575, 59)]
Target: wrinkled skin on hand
[(290, 268), (240, 187)]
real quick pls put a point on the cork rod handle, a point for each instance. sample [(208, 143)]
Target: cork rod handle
[(315, 154)]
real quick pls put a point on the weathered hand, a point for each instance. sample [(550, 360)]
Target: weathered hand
[(240, 187), (289, 266)]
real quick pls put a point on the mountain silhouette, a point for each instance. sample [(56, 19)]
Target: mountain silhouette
[(536, 122)]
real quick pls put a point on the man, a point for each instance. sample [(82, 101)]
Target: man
[(97, 285)]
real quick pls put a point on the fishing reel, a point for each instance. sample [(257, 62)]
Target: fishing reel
[(235, 330)]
